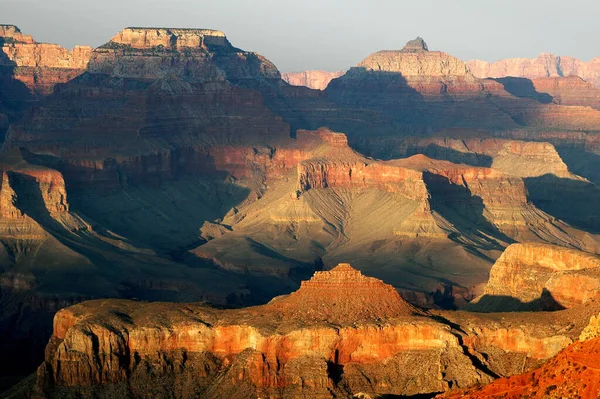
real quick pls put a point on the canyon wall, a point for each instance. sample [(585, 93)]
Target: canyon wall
[(317, 80), (39, 66), (545, 65), (287, 350), (540, 276)]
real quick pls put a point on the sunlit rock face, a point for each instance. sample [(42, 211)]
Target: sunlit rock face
[(285, 349), (313, 79), (154, 104), (39, 66), (570, 374), (539, 276), (545, 65), (340, 333)]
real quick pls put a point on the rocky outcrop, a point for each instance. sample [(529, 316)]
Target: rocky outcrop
[(417, 45), (539, 276), (340, 295), (514, 157), (571, 90), (319, 174), (570, 374), (545, 65), (592, 330), (287, 348), (420, 91), (39, 66), (198, 55), (314, 79), (174, 38)]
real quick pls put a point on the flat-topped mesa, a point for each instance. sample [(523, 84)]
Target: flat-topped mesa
[(417, 45), (11, 33), (411, 63), (39, 66), (344, 295), (172, 38), (194, 55), (322, 134)]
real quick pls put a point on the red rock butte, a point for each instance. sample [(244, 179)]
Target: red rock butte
[(343, 294)]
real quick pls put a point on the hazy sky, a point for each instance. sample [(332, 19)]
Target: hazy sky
[(330, 34)]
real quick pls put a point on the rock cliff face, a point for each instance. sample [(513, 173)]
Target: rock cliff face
[(338, 204), (314, 79), (571, 90), (571, 374), (39, 66), (198, 55), (340, 334), (545, 65), (419, 91), (514, 157), (285, 349), (431, 73), (147, 111), (171, 169), (538, 276)]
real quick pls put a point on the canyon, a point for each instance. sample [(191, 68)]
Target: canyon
[(341, 333), (168, 165)]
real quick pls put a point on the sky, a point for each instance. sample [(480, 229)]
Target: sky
[(330, 34)]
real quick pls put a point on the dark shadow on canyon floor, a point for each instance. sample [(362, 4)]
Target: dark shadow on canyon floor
[(503, 303), (523, 88), (572, 201)]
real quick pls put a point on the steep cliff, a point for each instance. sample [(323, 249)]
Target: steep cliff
[(149, 105), (39, 66), (341, 334), (537, 277), (285, 349), (314, 79), (545, 65), (339, 205), (570, 374)]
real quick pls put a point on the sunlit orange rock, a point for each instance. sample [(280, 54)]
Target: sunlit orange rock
[(540, 276)]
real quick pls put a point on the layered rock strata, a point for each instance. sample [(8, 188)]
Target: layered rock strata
[(287, 348), (570, 374), (545, 65), (39, 66), (539, 276)]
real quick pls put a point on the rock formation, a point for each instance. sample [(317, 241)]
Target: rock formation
[(177, 167), (314, 79), (417, 45), (341, 333), (571, 374), (39, 66), (355, 334), (338, 204), (538, 277), (545, 65), (592, 330)]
